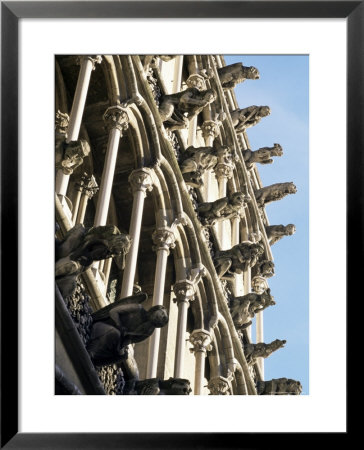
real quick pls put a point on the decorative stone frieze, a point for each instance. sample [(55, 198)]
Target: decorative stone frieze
[(116, 117), (196, 81), (211, 129), (219, 386), (201, 341), (184, 291), (163, 239), (74, 153), (141, 180)]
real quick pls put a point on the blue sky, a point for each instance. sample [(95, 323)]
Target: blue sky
[(283, 85)]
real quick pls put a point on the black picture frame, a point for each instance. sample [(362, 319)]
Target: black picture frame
[(11, 12)]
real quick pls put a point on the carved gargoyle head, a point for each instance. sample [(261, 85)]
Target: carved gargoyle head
[(106, 241), (175, 386), (277, 150), (290, 229), (264, 111), (252, 73)]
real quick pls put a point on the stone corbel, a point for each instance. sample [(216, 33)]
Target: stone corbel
[(96, 60), (141, 180), (219, 386), (201, 341), (163, 239), (184, 291), (116, 117), (74, 153)]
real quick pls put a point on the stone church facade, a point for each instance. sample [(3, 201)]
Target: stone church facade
[(160, 212)]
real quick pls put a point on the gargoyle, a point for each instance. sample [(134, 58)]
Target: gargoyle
[(262, 156), (248, 117), (223, 208), (81, 247), (274, 192), (177, 109), (261, 350), (237, 259), (198, 159), (236, 73), (243, 308), (277, 232), (155, 386), (122, 323), (279, 386)]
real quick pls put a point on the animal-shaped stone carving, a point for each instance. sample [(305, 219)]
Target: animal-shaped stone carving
[(277, 232), (198, 159), (155, 386), (81, 247), (237, 259), (279, 386), (274, 192), (261, 350), (243, 308), (236, 73), (122, 323), (177, 109), (248, 117), (223, 208), (262, 156)]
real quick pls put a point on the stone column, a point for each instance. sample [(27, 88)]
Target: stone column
[(259, 285), (117, 121), (210, 131), (223, 172), (201, 341), (178, 65), (89, 189), (185, 293), (247, 290), (87, 66), (163, 239), (141, 182), (219, 386)]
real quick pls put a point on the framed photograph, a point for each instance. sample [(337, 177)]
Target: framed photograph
[(33, 33)]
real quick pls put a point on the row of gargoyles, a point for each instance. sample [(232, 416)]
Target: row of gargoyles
[(81, 247)]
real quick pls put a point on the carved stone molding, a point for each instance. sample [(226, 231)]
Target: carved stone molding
[(197, 81), (219, 386), (116, 117), (141, 180), (210, 128), (163, 239), (95, 60), (201, 341), (184, 291)]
